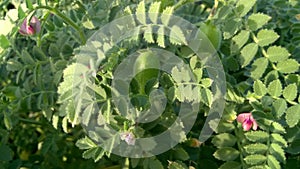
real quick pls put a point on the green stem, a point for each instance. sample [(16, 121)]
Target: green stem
[(213, 10), (66, 20), (30, 121), (126, 164)]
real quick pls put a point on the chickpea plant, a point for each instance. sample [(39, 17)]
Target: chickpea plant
[(150, 84)]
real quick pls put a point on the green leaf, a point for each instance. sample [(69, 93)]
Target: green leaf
[(166, 15), (257, 136), (255, 159), (226, 154), (176, 165), (155, 164), (266, 37), (239, 40), (277, 151), (206, 96), (244, 6), (85, 143), (275, 88), (6, 153), (141, 12), (248, 53), (277, 53), (288, 66), (290, 92), (277, 138), (180, 154), (231, 27), (27, 58), (4, 42), (13, 65), (293, 115), (148, 34), (154, 11), (47, 144), (224, 140), (277, 128), (259, 167), (29, 4), (279, 106), (176, 36), (257, 20), (160, 37), (259, 88), (231, 165), (259, 67), (257, 148), (272, 162)]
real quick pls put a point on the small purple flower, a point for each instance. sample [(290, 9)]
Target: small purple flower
[(247, 121), (128, 137), (33, 27)]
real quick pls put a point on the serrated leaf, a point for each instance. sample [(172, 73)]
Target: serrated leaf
[(154, 11), (290, 92), (85, 143), (176, 36), (148, 35), (255, 159), (277, 128), (65, 124), (239, 40), (226, 154), (55, 119), (275, 88), (160, 37), (259, 67), (248, 53), (166, 15), (272, 162), (257, 20), (244, 6), (231, 165), (279, 107), (266, 37), (206, 96), (231, 27), (257, 136), (277, 151), (233, 95), (293, 115), (141, 12), (277, 138), (257, 148), (224, 140), (288, 66), (259, 88), (277, 53)]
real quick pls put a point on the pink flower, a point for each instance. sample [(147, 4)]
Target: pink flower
[(128, 137), (33, 27), (247, 121)]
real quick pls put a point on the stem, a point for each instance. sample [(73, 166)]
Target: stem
[(213, 10), (66, 20), (30, 121), (126, 164)]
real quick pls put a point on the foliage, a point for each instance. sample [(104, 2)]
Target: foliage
[(50, 87)]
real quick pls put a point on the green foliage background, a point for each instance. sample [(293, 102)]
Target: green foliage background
[(257, 41)]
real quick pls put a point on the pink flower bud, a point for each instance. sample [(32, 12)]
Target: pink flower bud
[(247, 121), (33, 27)]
